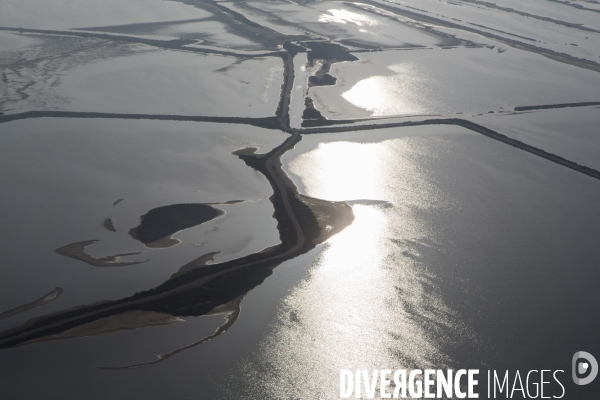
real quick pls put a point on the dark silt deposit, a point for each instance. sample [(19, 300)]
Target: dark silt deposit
[(321, 80), (310, 112), (328, 51), (108, 225), (162, 222)]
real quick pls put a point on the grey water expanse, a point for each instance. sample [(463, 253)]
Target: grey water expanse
[(238, 199)]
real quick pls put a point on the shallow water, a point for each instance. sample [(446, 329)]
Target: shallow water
[(422, 282), (450, 82), (570, 132), (139, 79), (48, 204), (69, 14)]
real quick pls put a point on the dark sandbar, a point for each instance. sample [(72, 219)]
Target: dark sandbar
[(158, 224), (108, 225), (77, 251)]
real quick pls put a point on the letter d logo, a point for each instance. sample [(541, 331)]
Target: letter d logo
[(584, 364)]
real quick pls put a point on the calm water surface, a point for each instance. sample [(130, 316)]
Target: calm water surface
[(473, 255)]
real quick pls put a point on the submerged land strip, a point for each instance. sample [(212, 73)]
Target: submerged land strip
[(553, 106), (266, 122), (199, 289), (77, 251), (42, 301), (232, 312), (551, 54)]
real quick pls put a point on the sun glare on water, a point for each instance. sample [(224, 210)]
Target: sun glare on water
[(404, 92), (356, 309), (345, 16)]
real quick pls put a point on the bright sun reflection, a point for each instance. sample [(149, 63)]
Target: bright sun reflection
[(345, 16), (336, 178), (403, 93), (368, 302)]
